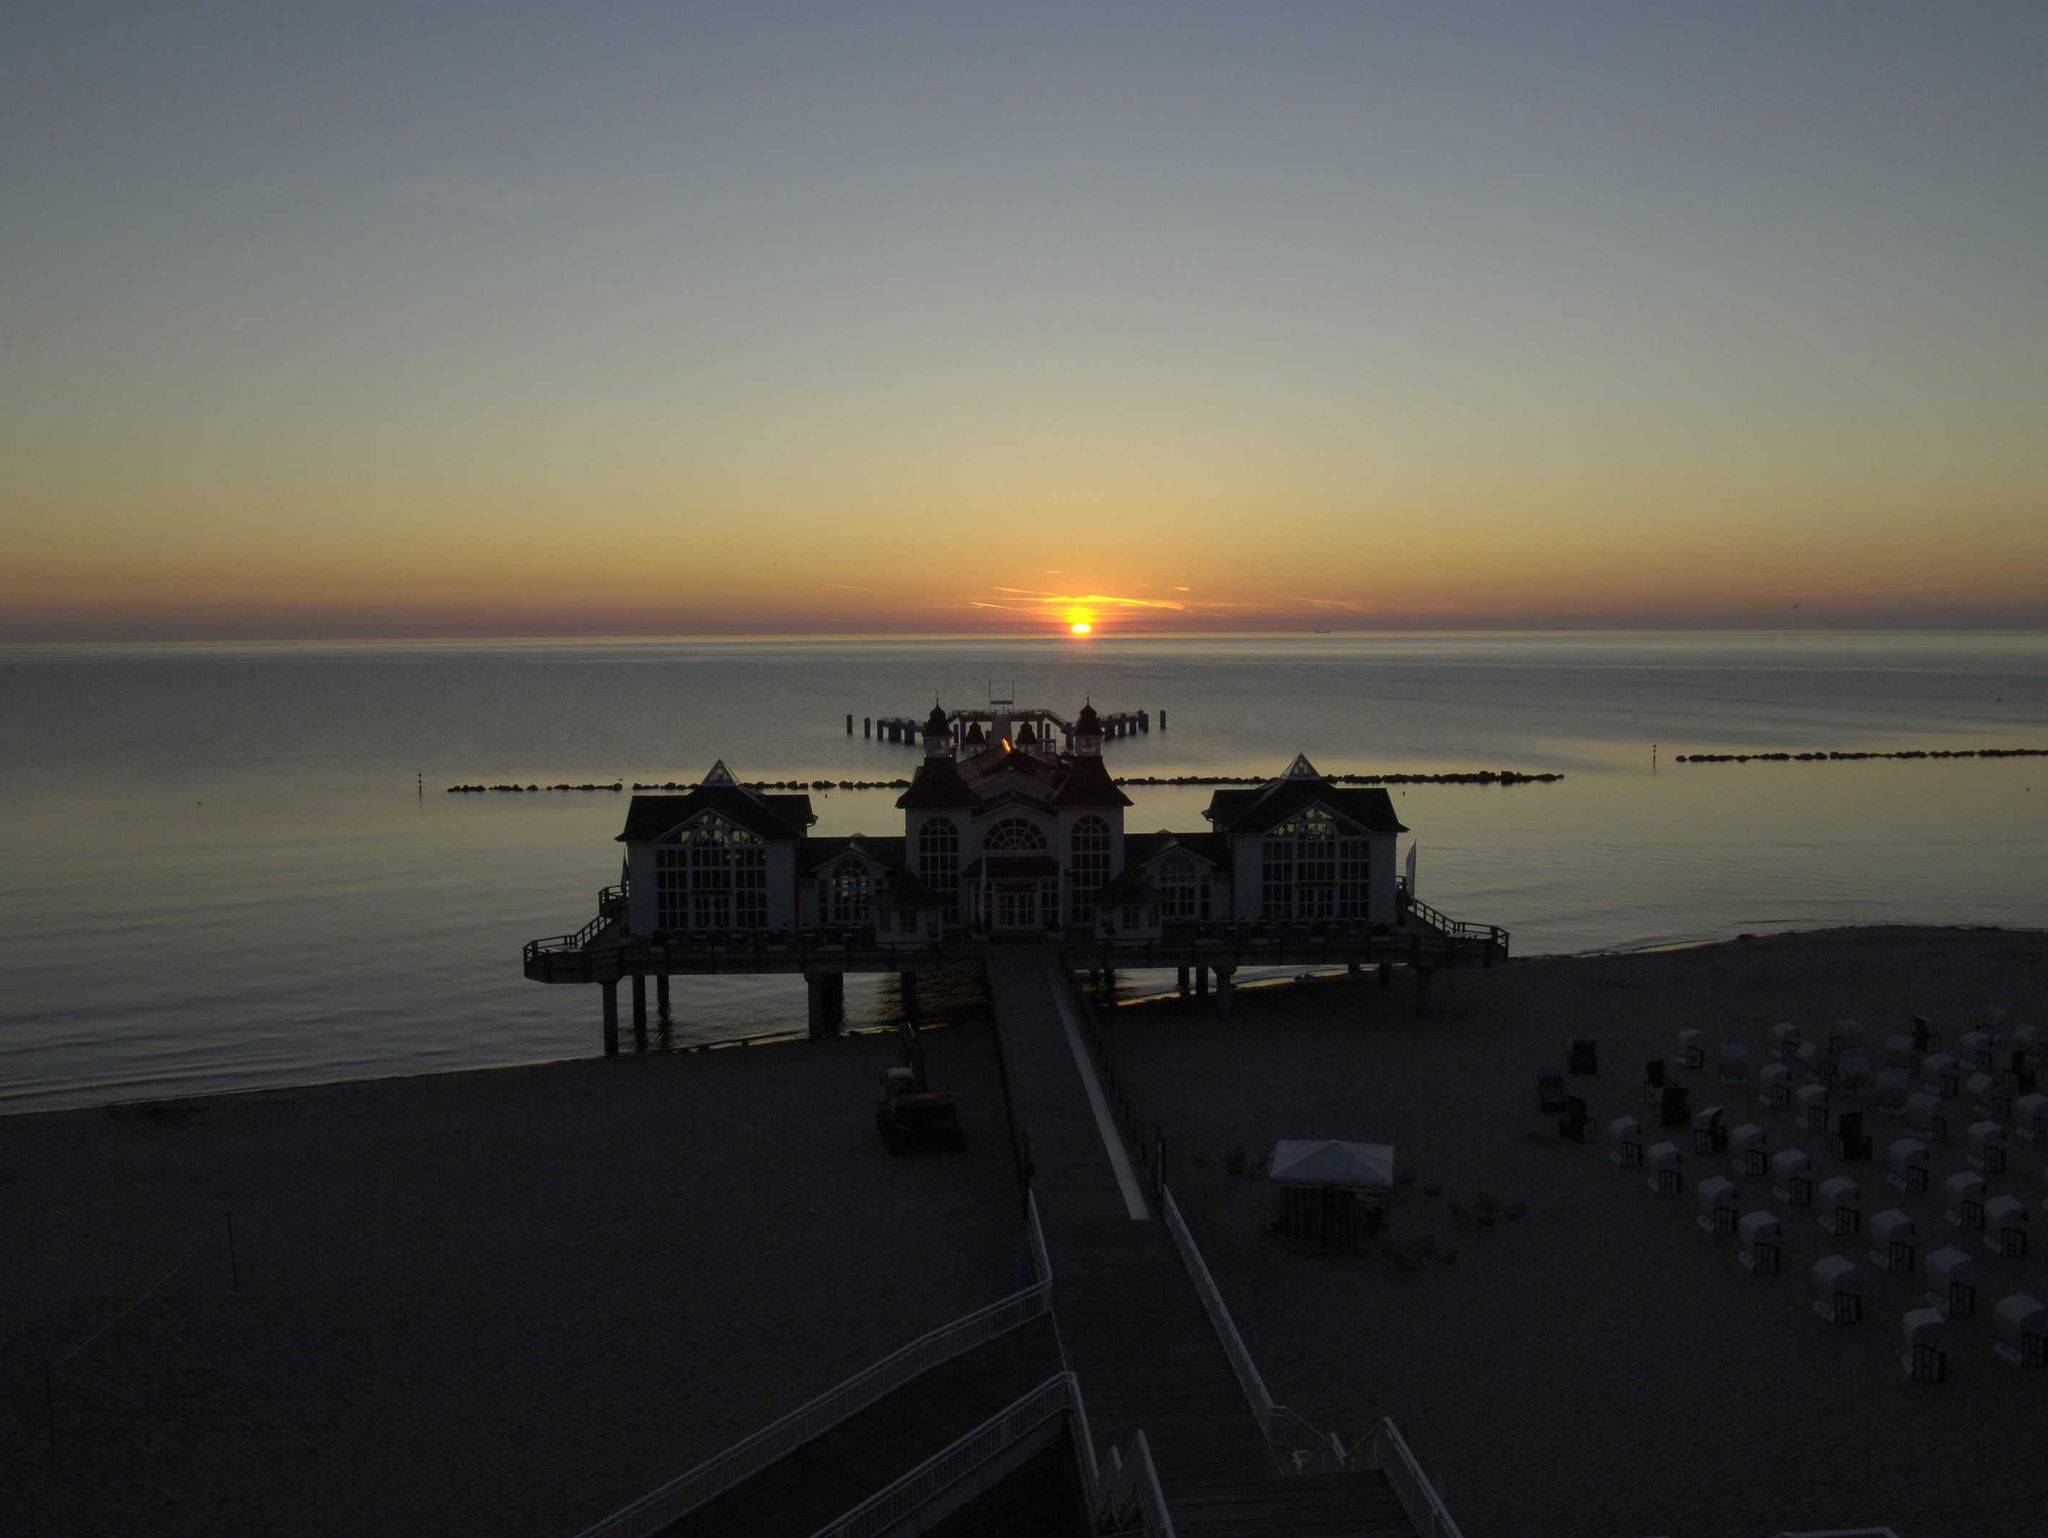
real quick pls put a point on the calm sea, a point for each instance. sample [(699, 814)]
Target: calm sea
[(220, 869)]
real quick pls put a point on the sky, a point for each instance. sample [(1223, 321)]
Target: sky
[(671, 318)]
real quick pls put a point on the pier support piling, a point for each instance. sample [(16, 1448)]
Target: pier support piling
[(849, 723), (908, 982), (661, 1008), (639, 1012), (1201, 981), (827, 1003), (1386, 971), (1181, 981), (1223, 991), (611, 1017), (1425, 993)]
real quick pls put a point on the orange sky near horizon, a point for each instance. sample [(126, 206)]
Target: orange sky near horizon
[(688, 322)]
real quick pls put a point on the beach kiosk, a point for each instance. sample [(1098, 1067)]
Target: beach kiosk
[(1774, 1084), (1964, 1208), (1952, 1281), (1749, 1150), (1792, 1177), (1810, 1108), (1894, 1245), (2020, 1323), (1837, 1292), (1906, 1164), (1762, 1242), (1987, 1147), (1667, 1169), (1927, 1332), (1717, 1198), (2005, 1227), (2030, 1118), (1333, 1194), (1841, 1206)]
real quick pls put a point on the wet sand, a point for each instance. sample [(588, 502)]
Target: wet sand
[(505, 1301), (1599, 1367)]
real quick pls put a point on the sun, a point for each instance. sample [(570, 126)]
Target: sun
[(1080, 627)]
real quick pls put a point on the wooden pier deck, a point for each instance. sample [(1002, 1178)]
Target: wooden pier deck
[(1131, 1325)]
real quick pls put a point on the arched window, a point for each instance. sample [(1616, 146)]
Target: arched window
[(938, 856), (1011, 834), (1183, 887), (1312, 870), (713, 877), (844, 892), (1088, 869)]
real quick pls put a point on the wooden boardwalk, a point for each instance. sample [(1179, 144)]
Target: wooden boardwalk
[(829, 1476), (1130, 1323)]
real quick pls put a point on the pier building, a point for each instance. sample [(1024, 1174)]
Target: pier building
[(1012, 831)]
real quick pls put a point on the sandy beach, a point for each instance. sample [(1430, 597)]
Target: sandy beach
[(1599, 1366), (504, 1301), (513, 1300)]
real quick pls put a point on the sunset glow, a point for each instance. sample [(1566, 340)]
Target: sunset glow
[(702, 320)]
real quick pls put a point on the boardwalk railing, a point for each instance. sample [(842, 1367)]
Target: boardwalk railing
[(712, 1478), (1306, 1447), (1450, 928), (1387, 1450), (1130, 1487)]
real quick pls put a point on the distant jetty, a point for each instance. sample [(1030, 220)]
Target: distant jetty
[(1450, 777), (1837, 756)]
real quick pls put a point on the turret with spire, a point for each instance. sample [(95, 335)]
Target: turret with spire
[(938, 733), (1088, 732)]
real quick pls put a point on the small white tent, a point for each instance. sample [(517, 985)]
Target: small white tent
[(1333, 1193), (1328, 1162)]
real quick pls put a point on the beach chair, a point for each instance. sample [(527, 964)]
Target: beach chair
[(1625, 1142), (1925, 1037), (1926, 1117), (1845, 1036), (1792, 1177), (1674, 1106), (1963, 1206), (1816, 1062), (1899, 1053), (1785, 1041), (1837, 1290), (1906, 1164), (1692, 1049), (1550, 1095), (1854, 1075), (2030, 1118), (2015, 1073), (2020, 1324), (1584, 1056), (1849, 1139), (1667, 1169), (1987, 1147), (1841, 1206), (1951, 1276), (1749, 1148), (1940, 1074), (1717, 1199), (1976, 1049), (1987, 1095), (1893, 1088), (1709, 1133), (2024, 1039), (1654, 1078), (1575, 1126), (1810, 1108), (1774, 1085), (1734, 1062), (1927, 1333), (2005, 1227), (1761, 1243), (1893, 1241)]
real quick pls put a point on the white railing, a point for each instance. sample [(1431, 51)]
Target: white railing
[(1133, 1483), (890, 1505), (1389, 1453), (1307, 1448), (712, 1478)]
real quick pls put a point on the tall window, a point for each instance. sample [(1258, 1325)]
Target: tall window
[(1088, 870), (844, 892), (714, 877), (1011, 834), (1183, 888), (938, 855), (1312, 871)]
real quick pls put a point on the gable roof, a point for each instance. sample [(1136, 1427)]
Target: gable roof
[(1087, 783), (937, 783), (815, 852), (649, 817), (1213, 849), (1366, 807)]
